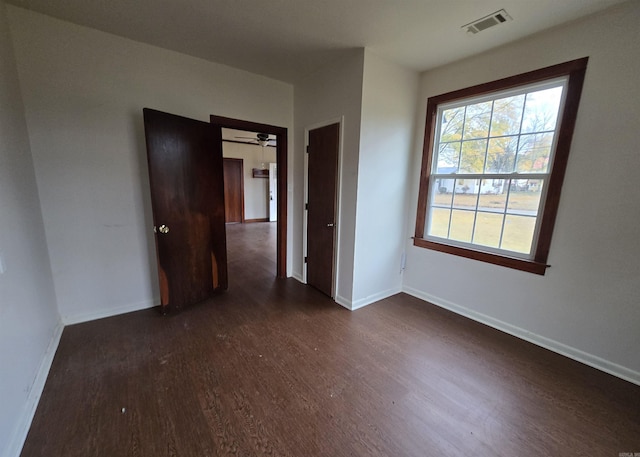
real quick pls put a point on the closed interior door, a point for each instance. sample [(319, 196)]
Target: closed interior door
[(234, 191), (187, 196), (321, 215)]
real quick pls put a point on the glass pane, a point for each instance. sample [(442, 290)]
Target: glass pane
[(533, 153), (507, 114), (439, 222), (466, 195), (448, 157), (488, 228), (477, 118), (472, 159), (518, 233), (452, 122), (501, 154), (493, 195), (541, 110), (461, 225), (442, 192), (524, 198)]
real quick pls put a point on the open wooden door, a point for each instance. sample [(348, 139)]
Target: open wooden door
[(187, 196), (323, 149)]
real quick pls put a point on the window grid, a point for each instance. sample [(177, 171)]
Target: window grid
[(504, 212), (524, 156), (509, 178)]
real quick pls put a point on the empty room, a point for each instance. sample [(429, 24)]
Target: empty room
[(337, 228)]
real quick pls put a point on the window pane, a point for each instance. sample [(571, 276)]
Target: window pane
[(476, 122), (493, 195), (439, 222), (518, 233), (442, 192), (541, 110), (466, 194), (507, 114), (524, 197), (533, 153), (501, 154), (472, 159), (448, 157), (488, 229), (461, 225), (452, 122)]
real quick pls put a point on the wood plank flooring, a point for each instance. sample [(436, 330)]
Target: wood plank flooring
[(272, 367)]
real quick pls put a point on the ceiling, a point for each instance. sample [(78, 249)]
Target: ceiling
[(287, 39)]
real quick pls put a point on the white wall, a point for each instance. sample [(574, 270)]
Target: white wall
[(587, 304), (84, 91), (256, 190), (389, 99), (29, 321), (326, 95)]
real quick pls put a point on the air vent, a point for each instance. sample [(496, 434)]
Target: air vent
[(486, 22)]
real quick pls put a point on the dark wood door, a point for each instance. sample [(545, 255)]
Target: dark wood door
[(187, 196), (234, 191), (321, 216)]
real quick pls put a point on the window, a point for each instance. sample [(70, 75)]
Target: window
[(493, 162)]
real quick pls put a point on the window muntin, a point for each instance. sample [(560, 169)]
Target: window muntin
[(510, 134), (493, 163)]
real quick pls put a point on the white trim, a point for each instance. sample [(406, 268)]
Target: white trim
[(20, 431), (93, 315), (298, 277), (346, 303), (539, 340), (375, 297), (336, 262)]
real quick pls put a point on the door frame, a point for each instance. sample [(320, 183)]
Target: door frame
[(235, 160), (336, 250), (281, 159)]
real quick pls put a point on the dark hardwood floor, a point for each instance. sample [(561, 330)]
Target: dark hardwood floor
[(272, 367)]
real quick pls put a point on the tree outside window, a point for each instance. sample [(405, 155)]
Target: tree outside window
[(493, 163)]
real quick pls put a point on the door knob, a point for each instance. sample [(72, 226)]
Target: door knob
[(330, 225), (163, 229)]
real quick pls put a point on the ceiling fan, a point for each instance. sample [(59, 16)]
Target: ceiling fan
[(261, 139)]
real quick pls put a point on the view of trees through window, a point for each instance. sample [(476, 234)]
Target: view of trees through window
[(492, 162)]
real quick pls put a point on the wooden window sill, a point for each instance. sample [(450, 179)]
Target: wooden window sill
[(530, 266)]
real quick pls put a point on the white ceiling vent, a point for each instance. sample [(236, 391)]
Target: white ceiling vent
[(486, 22)]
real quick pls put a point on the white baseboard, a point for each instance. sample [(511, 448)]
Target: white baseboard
[(375, 297), (343, 301), (24, 423), (93, 315), (539, 340), (298, 276)]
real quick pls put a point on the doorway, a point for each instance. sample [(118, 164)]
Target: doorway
[(273, 192), (280, 134)]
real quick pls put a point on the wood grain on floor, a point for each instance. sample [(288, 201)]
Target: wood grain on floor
[(272, 367)]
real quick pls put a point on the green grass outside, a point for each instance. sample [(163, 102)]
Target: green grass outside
[(518, 230), (517, 200)]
